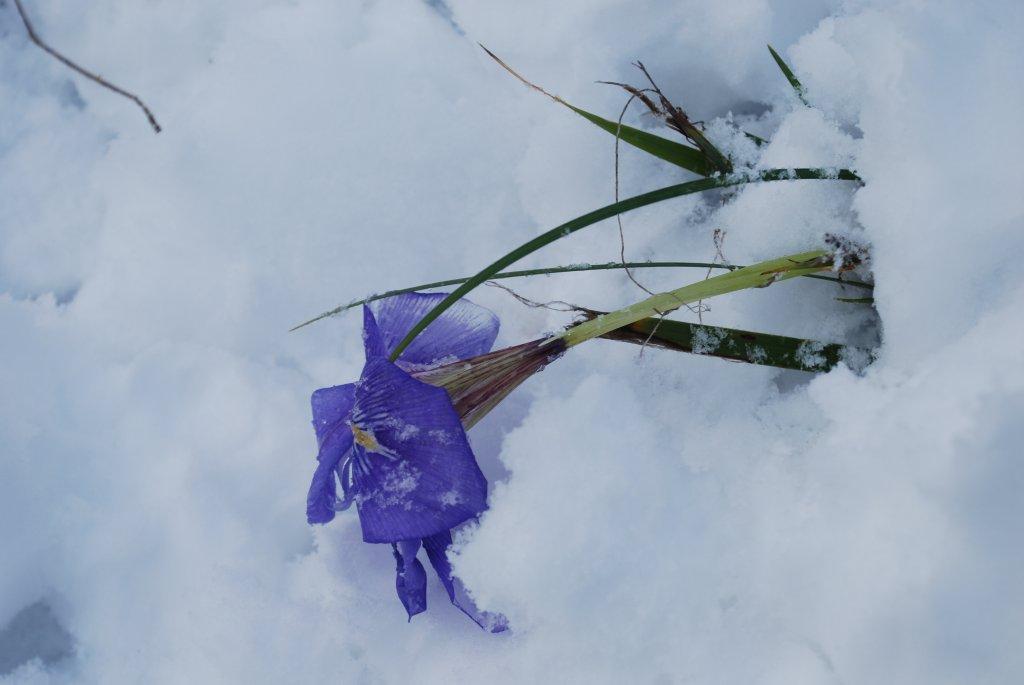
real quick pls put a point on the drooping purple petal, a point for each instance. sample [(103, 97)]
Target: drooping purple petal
[(322, 495), (331, 407), (464, 330), (436, 547), (410, 577), (414, 471), (322, 499)]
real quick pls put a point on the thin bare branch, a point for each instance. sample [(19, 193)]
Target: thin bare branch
[(618, 217), (634, 95), (678, 119), (640, 94), (719, 240), (553, 305), (34, 37)]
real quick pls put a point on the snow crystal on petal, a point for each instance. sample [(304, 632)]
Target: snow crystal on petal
[(421, 477)]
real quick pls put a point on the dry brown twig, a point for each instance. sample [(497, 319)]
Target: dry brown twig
[(618, 217), (96, 78), (719, 240), (553, 305), (675, 118), (519, 76)]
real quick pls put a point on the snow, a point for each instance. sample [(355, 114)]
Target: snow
[(664, 518)]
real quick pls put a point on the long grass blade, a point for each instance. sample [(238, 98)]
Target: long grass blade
[(758, 140), (684, 156), (608, 211), (790, 76), (760, 275), (570, 268), (734, 344)]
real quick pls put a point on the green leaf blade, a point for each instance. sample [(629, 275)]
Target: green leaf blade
[(760, 275), (790, 76), (550, 270), (762, 349), (684, 156), (606, 212)]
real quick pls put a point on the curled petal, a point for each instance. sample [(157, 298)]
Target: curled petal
[(331, 407), (414, 472), (322, 498), (410, 577), (436, 547), (464, 330)]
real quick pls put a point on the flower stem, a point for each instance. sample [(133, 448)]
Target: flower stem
[(758, 275)]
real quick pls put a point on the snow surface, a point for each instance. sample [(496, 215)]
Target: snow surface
[(662, 519)]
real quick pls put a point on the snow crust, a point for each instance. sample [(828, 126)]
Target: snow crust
[(670, 518)]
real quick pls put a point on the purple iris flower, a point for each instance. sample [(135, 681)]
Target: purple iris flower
[(397, 445)]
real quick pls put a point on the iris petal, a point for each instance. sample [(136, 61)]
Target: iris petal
[(436, 547), (331, 407), (322, 499), (416, 475), (464, 330), (373, 342), (410, 577)]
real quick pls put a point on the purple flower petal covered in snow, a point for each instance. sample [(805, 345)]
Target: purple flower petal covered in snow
[(413, 470), (464, 330), (398, 447), (396, 444)]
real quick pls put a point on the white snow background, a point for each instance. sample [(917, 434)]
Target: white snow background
[(663, 519)]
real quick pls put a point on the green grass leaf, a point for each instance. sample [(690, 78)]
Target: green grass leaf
[(760, 275), (790, 76), (734, 344), (758, 140), (689, 158), (608, 211), (570, 268)]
